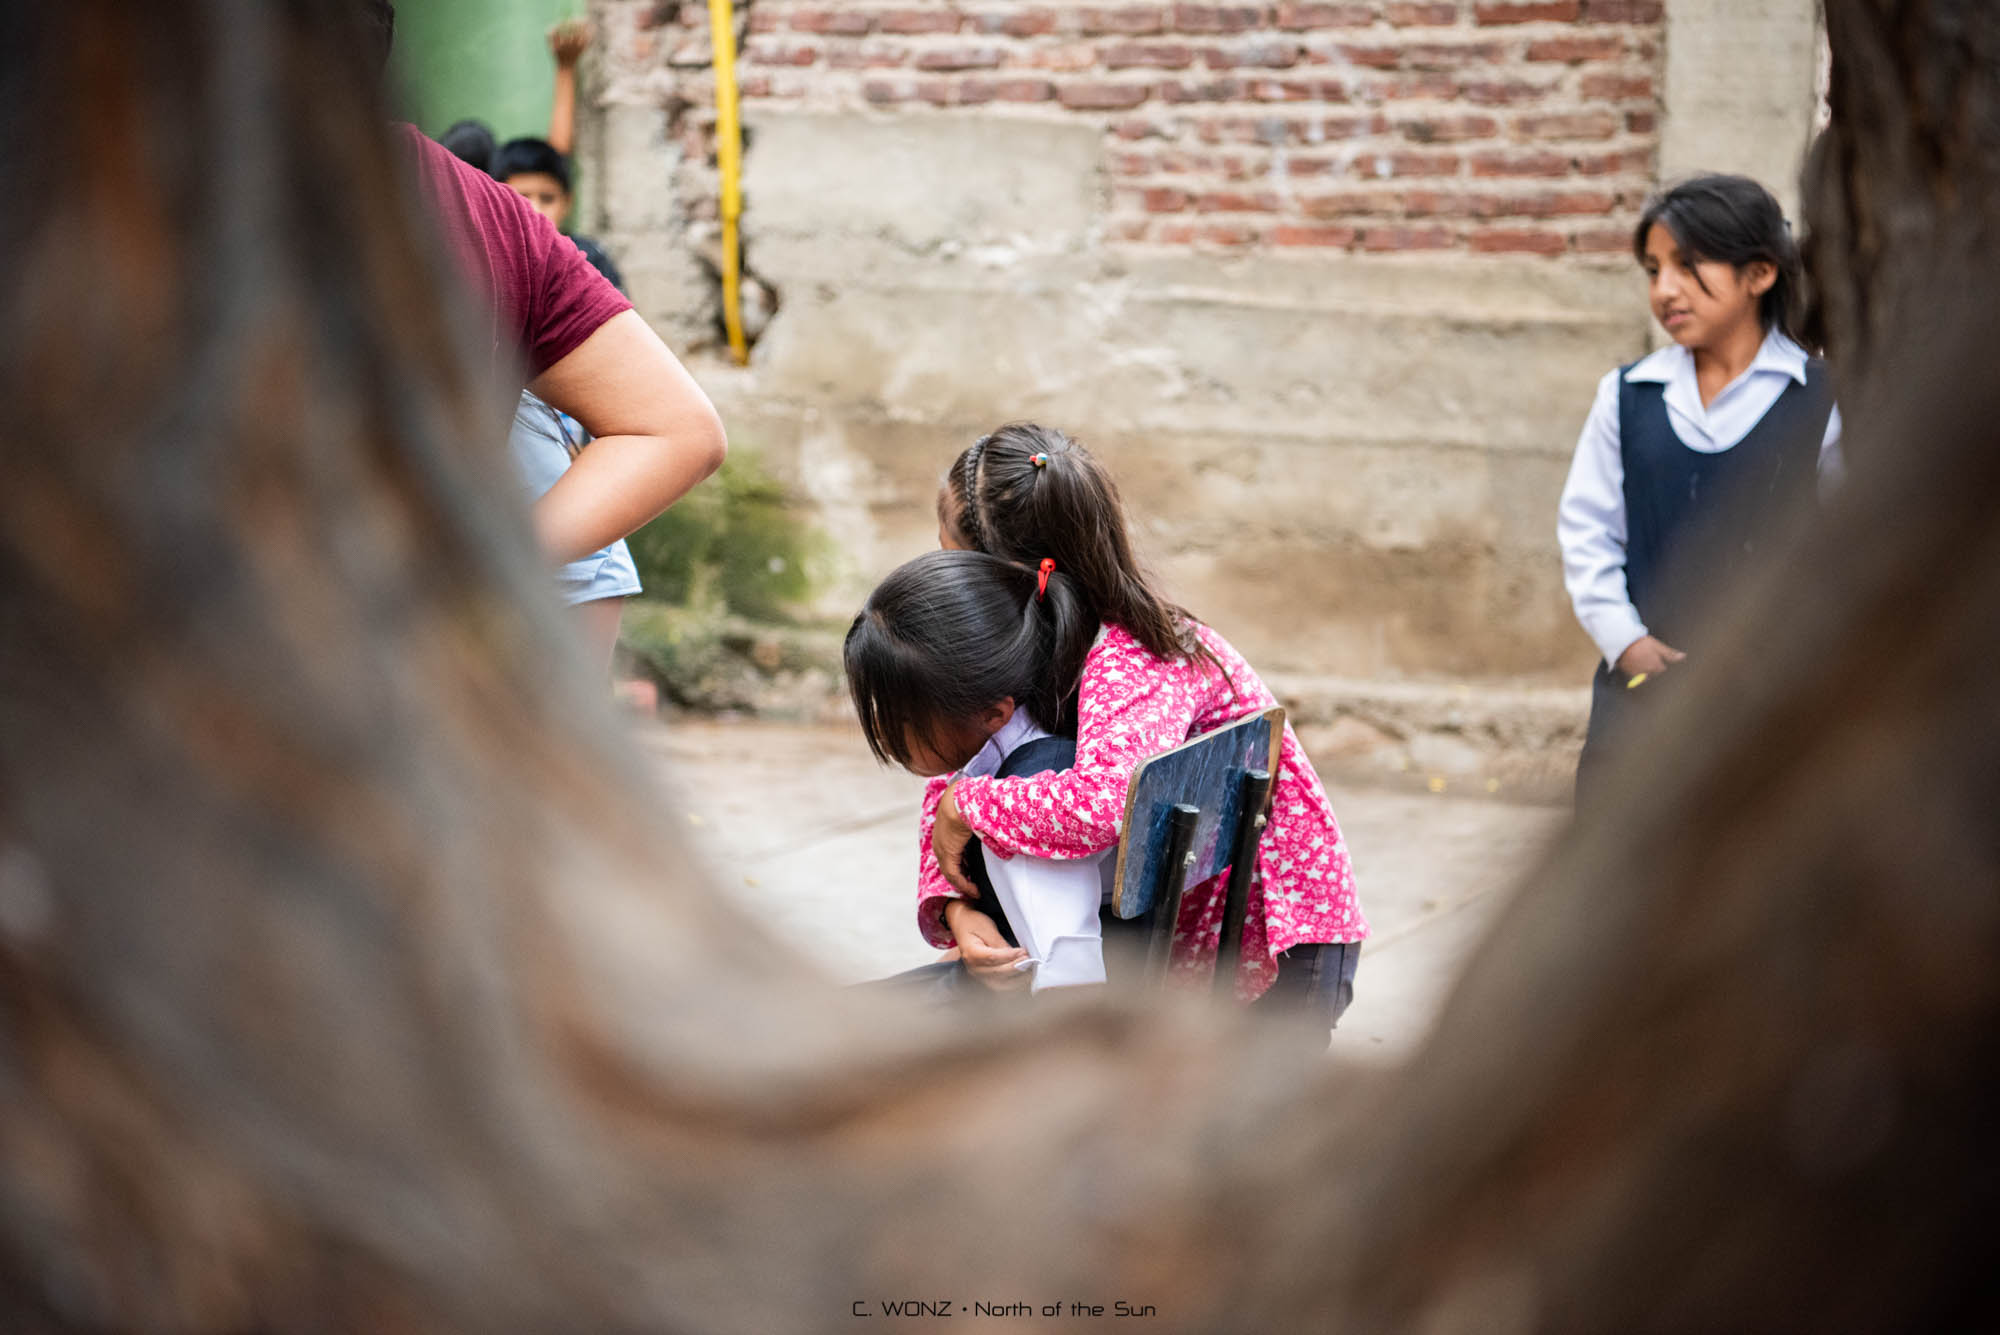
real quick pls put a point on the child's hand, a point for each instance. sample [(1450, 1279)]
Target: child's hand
[(949, 836), (986, 953), (1648, 656), (568, 41)]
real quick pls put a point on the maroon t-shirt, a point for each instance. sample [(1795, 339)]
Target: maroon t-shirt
[(546, 295)]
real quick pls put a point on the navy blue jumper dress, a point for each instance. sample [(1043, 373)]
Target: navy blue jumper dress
[(1694, 522)]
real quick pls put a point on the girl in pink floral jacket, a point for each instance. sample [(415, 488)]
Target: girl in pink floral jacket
[(1154, 678)]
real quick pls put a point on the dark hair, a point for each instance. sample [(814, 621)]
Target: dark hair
[(1732, 220), (530, 155), (470, 141), (948, 635), (375, 23), (1065, 506)]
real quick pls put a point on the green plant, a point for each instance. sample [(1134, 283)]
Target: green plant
[(736, 540)]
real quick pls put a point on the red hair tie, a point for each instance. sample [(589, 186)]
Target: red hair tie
[(1042, 573)]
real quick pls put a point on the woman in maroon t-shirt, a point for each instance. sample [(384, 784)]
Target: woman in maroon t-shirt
[(584, 350)]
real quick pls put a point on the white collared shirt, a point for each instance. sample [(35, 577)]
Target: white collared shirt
[(1590, 522), (1051, 905)]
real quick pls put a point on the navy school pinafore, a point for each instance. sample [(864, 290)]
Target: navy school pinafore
[(1693, 521)]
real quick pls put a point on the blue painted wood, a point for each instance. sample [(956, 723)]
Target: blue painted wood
[(1205, 772)]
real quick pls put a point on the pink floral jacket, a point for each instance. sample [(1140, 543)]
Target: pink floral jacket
[(1132, 706)]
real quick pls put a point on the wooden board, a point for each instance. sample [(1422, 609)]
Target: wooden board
[(1204, 771)]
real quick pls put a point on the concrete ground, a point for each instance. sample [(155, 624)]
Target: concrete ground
[(821, 841)]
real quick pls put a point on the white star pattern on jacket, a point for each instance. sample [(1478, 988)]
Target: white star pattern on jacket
[(1130, 706)]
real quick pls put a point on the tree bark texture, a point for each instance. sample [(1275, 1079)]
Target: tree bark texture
[(352, 977)]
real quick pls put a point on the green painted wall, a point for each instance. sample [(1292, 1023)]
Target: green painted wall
[(483, 58)]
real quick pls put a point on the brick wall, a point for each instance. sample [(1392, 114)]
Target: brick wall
[(1327, 284), (1504, 127)]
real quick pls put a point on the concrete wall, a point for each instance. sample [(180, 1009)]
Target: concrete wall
[(1742, 90), (1338, 383), (1347, 463)]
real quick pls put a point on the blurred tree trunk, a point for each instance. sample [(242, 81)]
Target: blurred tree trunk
[(349, 978)]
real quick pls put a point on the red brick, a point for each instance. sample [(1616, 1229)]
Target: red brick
[(1297, 166), (1622, 11), (1233, 201), (1024, 90), (1303, 18), (1409, 164), (1421, 15), (1618, 87), (1406, 238), (1373, 57), (1101, 96), (1573, 203), (1571, 50), (1165, 199), (1148, 55), (955, 92), (888, 90), (1433, 87), (832, 22), (1210, 90), (1518, 240), (960, 58), (1451, 55), (1218, 18), (755, 85), (1448, 129), (1134, 164), (1130, 21), (1568, 125), (1640, 122), (1629, 161), (1604, 241), (867, 57), (911, 21), (1134, 128), (1258, 55), (1535, 11), (1226, 234), (1501, 93), (1292, 235), (1520, 164), (1547, 205), (1130, 229), (760, 21), (1175, 234), (1018, 23), (1436, 204), (1351, 204)]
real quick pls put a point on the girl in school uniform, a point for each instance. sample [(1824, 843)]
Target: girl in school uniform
[(1691, 455), (1153, 677), (962, 665)]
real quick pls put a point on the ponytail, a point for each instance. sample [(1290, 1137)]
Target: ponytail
[(948, 635), (1026, 492)]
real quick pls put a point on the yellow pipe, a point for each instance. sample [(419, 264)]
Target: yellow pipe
[(729, 160)]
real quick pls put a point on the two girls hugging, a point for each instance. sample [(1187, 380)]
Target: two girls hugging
[(1031, 665), (1027, 668)]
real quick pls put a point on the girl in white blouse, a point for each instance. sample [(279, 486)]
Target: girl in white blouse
[(1690, 454)]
